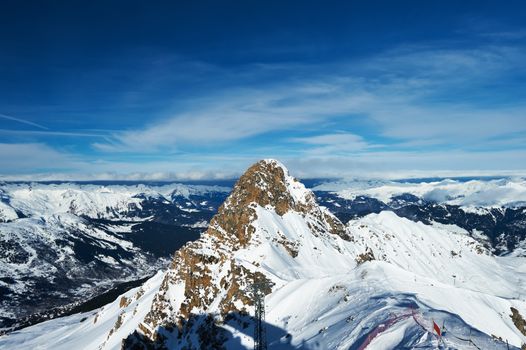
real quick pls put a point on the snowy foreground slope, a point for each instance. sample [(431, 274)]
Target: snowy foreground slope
[(378, 282)]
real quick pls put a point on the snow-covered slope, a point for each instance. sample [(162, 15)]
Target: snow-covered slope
[(7, 213), (63, 243), (90, 330), (378, 283), (494, 211), (94, 201)]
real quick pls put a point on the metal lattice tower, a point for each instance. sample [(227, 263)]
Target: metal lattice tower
[(260, 331)]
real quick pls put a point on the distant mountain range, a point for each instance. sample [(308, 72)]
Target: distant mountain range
[(61, 244)]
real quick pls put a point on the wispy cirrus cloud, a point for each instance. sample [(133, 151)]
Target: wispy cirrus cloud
[(23, 121), (333, 144), (52, 133), (235, 115), (409, 96), (222, 123)]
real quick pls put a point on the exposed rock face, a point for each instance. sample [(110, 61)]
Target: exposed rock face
[(205, 278), (518, 320), (266, 183), (368, 255)]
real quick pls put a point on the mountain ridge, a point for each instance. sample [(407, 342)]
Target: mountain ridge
[(266, 184), (379, 283)]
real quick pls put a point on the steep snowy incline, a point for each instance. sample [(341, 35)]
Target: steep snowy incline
[(7, 213), (447, 270), (103, 328), (444, 253)]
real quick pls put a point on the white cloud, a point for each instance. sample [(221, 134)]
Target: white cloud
[(403, 164), (31, 157), (37, 162), (113, 176), (237, 115), (333, 139), (398, 93), (333, 144), (223, 123)]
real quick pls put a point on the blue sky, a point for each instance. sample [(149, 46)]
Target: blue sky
[(177, 90)]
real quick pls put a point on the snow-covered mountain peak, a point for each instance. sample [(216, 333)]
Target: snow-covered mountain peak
[(268, 183), (270, 220)]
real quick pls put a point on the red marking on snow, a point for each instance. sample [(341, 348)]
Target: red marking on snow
[(437, 329), (384, 326), (424, 327)]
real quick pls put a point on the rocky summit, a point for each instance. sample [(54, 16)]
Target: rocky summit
[(208, 272)]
